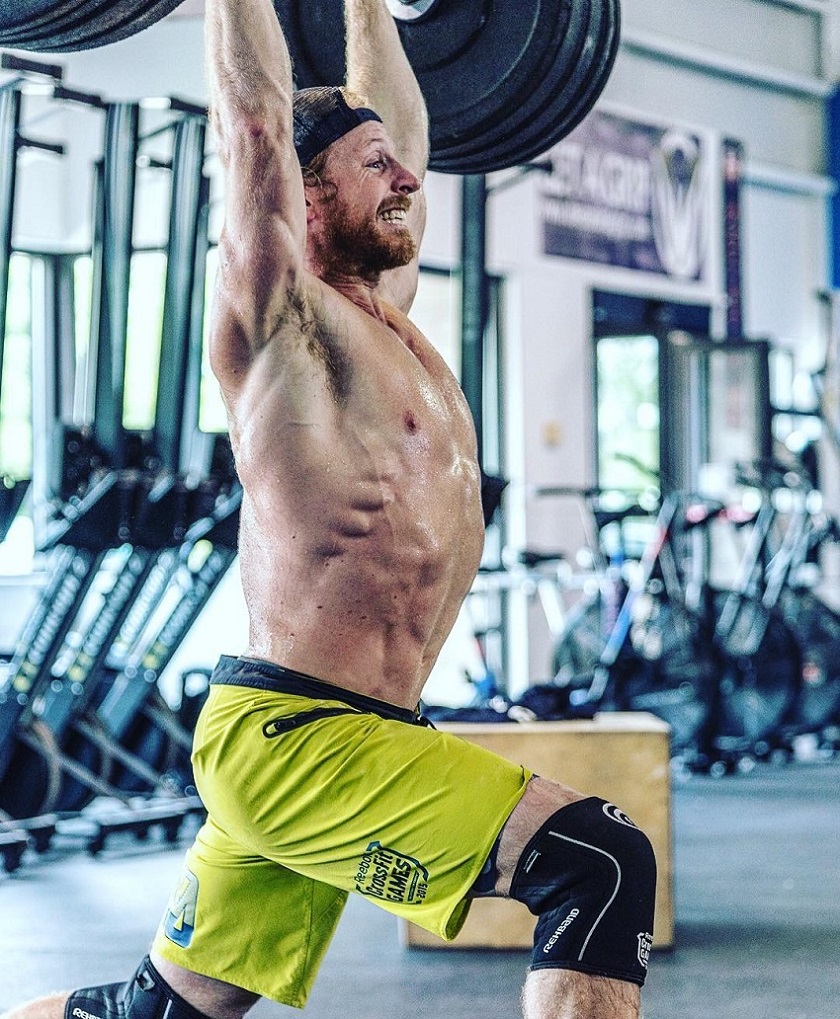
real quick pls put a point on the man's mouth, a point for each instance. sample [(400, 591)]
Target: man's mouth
[(396, 213), (393, 215)]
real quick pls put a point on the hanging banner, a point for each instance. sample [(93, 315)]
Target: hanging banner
[(629, 194)]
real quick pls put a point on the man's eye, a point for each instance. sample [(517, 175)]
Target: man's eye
[(377, 164)]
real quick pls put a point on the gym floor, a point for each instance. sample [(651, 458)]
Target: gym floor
[(758, 924)]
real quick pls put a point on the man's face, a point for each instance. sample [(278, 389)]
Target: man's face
[(365, 204)]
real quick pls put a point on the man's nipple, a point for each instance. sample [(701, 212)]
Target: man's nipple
[(410, 421)]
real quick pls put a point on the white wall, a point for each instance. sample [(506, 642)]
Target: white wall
[(755, 70)]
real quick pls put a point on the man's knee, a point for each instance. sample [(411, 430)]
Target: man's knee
[(589, 875), (145, 996)]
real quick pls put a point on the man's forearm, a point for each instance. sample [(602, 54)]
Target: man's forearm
[(249, 70), (378, 69)]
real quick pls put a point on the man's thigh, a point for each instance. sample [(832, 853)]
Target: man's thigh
[(540, 801)]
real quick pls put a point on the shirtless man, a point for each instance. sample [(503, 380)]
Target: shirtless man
[(361, 534)]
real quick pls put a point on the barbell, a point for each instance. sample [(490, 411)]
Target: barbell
[(504, 80)]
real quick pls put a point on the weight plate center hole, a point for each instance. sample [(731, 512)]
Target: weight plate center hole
[(410, 10)]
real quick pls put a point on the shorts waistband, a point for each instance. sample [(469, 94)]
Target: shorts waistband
[(262, 675)]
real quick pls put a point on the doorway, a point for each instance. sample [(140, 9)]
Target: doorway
[(670, 400)]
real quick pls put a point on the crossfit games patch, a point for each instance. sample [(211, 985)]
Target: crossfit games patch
[(386, 874), (645, 944)]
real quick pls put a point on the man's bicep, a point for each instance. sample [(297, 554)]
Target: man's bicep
[(261, 250), (230, 348)]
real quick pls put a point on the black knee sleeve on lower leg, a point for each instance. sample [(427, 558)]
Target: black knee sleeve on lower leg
[(146, 996), (589, 875)]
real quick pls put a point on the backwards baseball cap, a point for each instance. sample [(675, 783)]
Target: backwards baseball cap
[(321, 116)]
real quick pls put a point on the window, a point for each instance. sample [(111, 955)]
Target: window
[(143, 338), (638, 428), (16, 396), (16, 413), (627, 371)]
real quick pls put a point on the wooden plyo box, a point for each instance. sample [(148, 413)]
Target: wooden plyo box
[(621, 757)]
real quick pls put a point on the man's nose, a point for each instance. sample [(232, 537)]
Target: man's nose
[(404, 181)]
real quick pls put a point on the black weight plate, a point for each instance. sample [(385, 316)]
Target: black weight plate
[(599, 71), (473, 61), (17, 16), (37, 19), (607, 51), (112, 25), (315, 36), (564, 45), (535, 138), (537, 135), (552, 88), (462, 53), (65, 27), (493, 72), (16, 13)]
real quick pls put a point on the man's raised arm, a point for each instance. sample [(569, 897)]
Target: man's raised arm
[(377, 68), (262, 244)]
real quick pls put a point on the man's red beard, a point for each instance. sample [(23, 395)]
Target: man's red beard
[(356, 245)]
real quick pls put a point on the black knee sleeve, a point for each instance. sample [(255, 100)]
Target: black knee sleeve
[(589, 875), (146, 996)]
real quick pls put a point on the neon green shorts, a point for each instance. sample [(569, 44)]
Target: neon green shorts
[(309, 799)]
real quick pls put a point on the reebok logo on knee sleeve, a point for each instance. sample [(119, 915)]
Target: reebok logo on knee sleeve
[(555, 937), (617, 815)]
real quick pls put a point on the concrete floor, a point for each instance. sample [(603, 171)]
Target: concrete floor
[(757, 860)]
